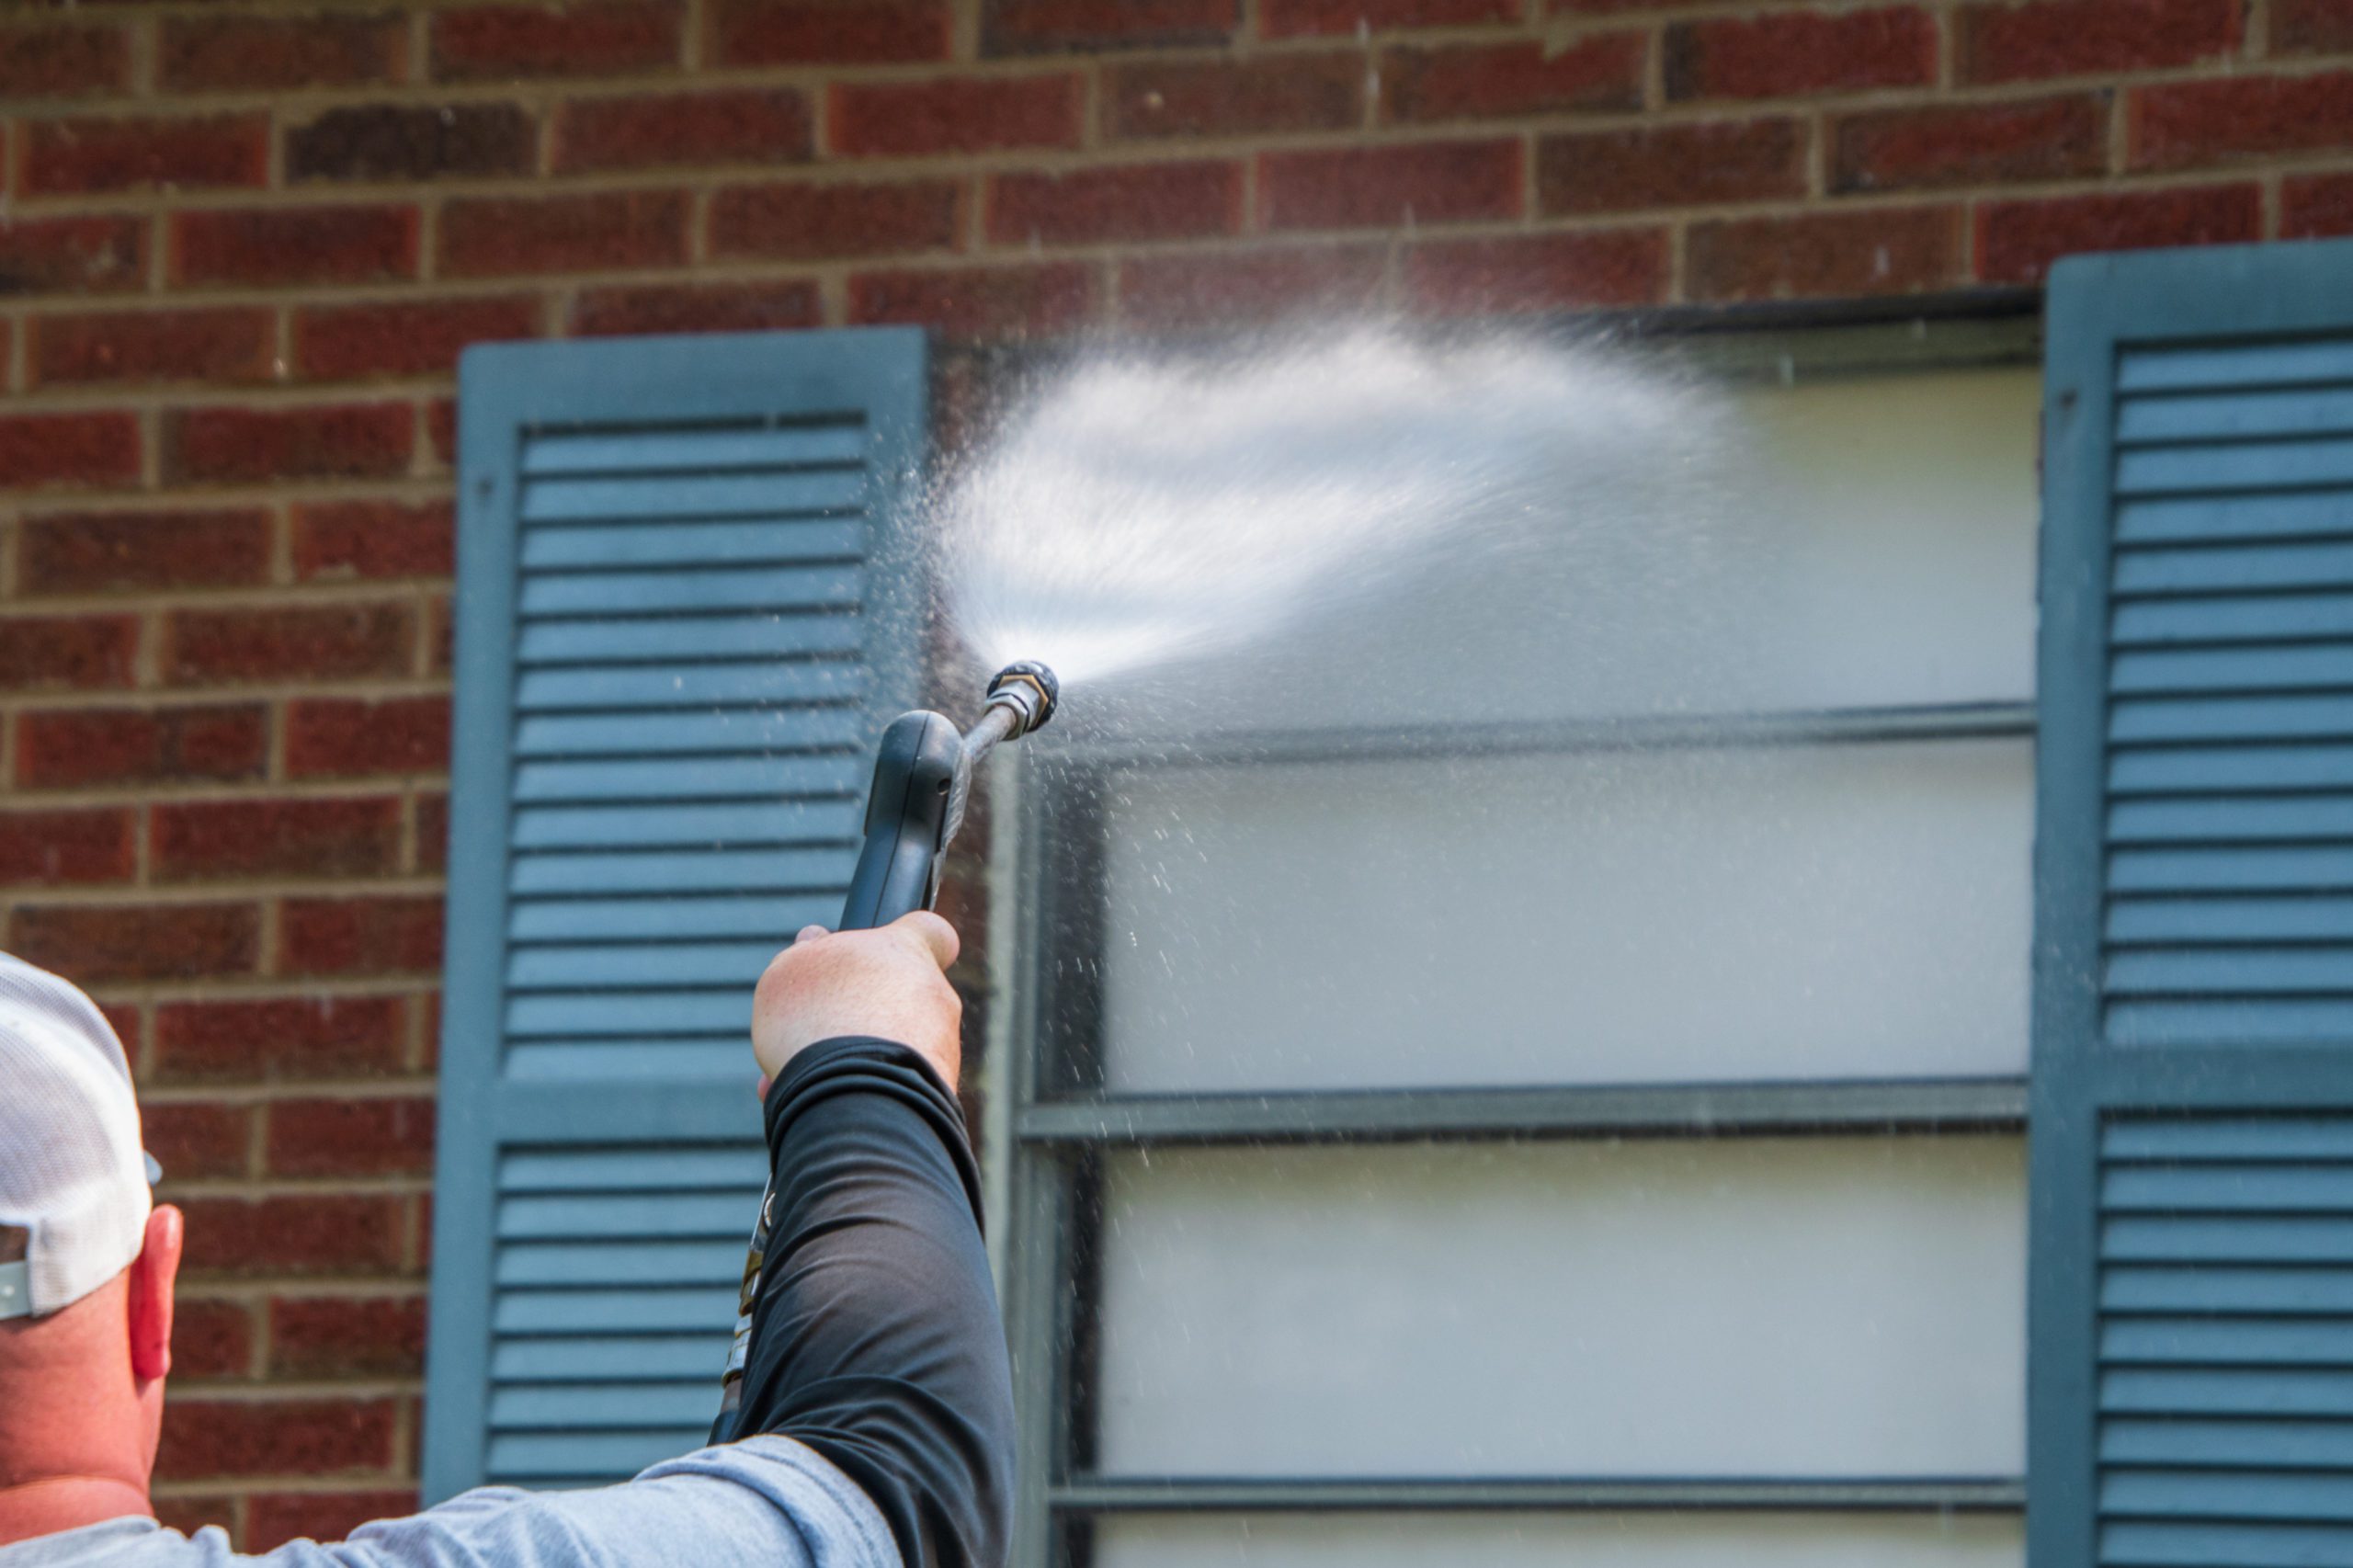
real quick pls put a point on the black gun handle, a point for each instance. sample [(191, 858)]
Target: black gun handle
[(906, 816), (898, 872)]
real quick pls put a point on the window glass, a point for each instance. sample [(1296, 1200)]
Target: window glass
[(1782, 1307), (1587, 1541), (1815, 911), (1905, 571), (1859, 542)]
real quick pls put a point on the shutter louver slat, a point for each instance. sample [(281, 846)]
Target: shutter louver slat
[(674, 657)]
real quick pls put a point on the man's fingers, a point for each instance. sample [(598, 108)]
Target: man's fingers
[(937, 937), (810, 934)]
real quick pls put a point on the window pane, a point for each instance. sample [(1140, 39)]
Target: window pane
[(1587, 1541), (1769, 1307), (1906, 571), (1796, 913), (1863, 541)]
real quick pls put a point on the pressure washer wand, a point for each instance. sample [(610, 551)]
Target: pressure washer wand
[(923, 777)]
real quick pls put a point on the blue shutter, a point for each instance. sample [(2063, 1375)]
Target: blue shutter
[(686, 602), (2192, 1300)]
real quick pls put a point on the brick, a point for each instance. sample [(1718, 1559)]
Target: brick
[(201, 53), (74, 157), (180, 547), (1266, 94), (981, 301), (210, 1438), (1132, 201), (373, 538), (232, 446), (1791, 54), (100, 943), (1611, 270), (343, 738), (2314, 206), (831, 32), (195, 1142), (2188, 124), (802, 221), (954, 114), (432, 832), (441, 428), (53, 652), (223, 344), (656, 131), (2311, 27), (63, 848), (1046, 27), (404, 337), (1997, 144), (346, 1336), (711, 307), (1348, 18), (209, 1338), (504, 237), (306, 245), (393, 935), (1362, 187), (413, 141), (348, 1137), (600, 38), (126, 1018), (1826, 255), (63, 62), (296, 1038), (42, 449), (209, 840), (1496, 81), (72, 255), (306, 642), (276, 1517), (2017, 241), (1173, 292), (1670, 166), (1997, 42), (95, 747)]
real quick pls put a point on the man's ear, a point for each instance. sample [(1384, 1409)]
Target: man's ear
[(153, 1273)]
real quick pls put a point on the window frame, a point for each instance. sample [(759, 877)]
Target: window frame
[(1047, 1132)]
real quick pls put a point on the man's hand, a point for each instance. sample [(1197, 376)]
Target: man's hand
[(891, 982)]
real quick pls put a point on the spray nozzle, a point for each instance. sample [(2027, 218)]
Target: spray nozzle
[(1029, 690)]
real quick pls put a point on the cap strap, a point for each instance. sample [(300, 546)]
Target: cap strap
[(16, 1290)]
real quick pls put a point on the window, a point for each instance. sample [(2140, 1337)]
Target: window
[(1562, 1134)]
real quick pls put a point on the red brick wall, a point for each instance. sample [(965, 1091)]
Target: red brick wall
[(241, 245)]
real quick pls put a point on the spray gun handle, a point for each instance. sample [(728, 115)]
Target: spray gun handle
[(907, 821)]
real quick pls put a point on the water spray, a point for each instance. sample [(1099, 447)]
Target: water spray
[(923, 777)]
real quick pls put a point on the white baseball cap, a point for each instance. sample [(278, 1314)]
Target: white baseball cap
[(73, 1181)]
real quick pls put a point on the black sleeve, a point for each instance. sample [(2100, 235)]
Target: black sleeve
[(875, 1336)]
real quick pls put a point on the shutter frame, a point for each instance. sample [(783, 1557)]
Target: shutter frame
[(508, 392), (2102, 311)]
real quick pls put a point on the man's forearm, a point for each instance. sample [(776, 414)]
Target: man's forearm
[(875, 1334)]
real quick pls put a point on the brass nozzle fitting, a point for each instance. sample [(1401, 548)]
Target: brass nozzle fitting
[(1030, 690)]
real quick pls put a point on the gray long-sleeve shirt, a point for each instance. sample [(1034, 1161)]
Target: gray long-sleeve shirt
[(766, 1501)]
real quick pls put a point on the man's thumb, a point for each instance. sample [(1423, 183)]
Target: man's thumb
[(935, 935)]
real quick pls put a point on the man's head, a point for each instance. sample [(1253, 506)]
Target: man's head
[(86, 1259)]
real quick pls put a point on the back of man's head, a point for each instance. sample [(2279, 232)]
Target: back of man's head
[(86, 1266)]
